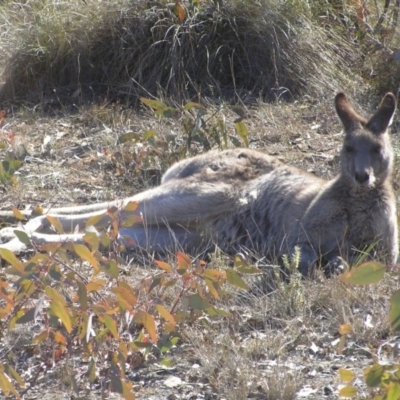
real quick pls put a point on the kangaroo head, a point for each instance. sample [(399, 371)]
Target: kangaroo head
[(366, 157)]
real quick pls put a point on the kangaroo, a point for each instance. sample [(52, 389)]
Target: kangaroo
[(244, 198)]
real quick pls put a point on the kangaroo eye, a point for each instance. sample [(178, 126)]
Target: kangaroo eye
[(349, 149)]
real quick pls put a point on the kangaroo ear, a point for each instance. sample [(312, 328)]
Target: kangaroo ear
[(350, 119), (383, 116)]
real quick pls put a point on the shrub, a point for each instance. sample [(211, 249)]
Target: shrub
[(262, 49), (86, 309)]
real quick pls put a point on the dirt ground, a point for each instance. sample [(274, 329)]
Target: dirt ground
[(276, 346)]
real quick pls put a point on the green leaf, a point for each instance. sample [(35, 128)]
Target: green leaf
[(105, 239), (111, 325), (364, 274), (132, 293), (110, 268), (168, 113), (154, 104), (25, 289), (394, 313), (156, 281), (248, 270), (41, 337), (393, 392), (39, 258), (91, 372), (150, 134), (131, 206), (123, 294), (96, 219), (93, 240), (166, 362), (214, 312), (217, 311), (129, 136), (166, 346), (234, 279), (55, 295), (131, 220), (122, 387), (10, 257), (165, 314), (196, 302), (346, 375), (214, 288), (214, 275), (140, 345), (55, 223), (61, 313), (95, 286), (55, 273), (84, 253), (51, 247), (6, 386), (23, 237), (244, 267), (160, 108), (242, 131), (82, 295), (29, 316), (190, 105), (10, 371), (11, 165), (373, 375), (348, 392), (222, 129)]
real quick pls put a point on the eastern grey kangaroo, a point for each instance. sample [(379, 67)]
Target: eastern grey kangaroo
[(245, 199)]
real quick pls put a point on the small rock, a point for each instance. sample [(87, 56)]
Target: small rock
[(173, 381)]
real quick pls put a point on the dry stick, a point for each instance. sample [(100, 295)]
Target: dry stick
[(179, 298), (383, 16), (395, 15)]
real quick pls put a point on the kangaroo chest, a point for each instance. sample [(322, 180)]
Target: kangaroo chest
[(366, 220)]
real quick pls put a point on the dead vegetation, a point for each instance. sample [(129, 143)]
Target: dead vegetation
[(275, 343), (88, 62), (221, 50)]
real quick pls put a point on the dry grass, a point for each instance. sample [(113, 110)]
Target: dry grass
[(277, 342), (123, 50), (268, 350)]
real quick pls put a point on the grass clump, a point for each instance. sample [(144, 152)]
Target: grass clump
[(262, 49)]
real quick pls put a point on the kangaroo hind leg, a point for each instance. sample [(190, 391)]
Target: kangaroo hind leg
[(175, 209)]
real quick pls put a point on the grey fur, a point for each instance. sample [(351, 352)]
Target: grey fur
[(245, 199)]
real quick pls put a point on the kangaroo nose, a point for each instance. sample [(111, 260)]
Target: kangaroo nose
[(362, 177)]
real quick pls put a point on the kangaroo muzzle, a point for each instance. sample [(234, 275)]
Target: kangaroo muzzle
[(363, 178)]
